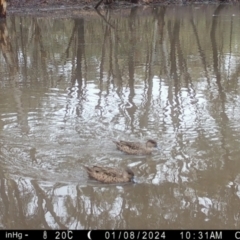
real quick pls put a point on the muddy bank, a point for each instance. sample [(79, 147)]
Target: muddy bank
[(42, 7), (62, 8), (73, 8)]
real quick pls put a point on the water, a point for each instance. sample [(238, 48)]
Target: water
[(70, 85)]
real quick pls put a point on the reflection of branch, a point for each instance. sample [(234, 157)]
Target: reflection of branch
[(70, 41), (49, 206), (105, 20), (200, 49), (3, 8), (20, 202), (5, 202), (97, 5), (6, 46)]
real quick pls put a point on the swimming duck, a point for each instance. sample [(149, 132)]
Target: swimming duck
[(109, 174), (136, 148)]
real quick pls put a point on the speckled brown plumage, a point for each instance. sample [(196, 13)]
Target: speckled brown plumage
[(136, 148), (109, 174)]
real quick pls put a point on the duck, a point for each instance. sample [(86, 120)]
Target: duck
[(110, 174), (136, 148)]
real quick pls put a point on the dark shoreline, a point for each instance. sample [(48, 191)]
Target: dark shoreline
[(41, 7)]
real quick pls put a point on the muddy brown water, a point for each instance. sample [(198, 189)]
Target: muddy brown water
[(69, 86)]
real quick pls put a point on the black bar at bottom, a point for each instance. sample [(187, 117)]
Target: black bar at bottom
[(119, 234)]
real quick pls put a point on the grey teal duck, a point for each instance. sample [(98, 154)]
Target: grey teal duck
[(136, 148), (109, 174)]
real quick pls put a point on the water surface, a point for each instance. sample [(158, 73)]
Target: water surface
[(69, 86)]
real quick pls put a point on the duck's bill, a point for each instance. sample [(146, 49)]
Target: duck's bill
[(134, 180)]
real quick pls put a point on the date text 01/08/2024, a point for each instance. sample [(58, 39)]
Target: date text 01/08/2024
[(117, 235)]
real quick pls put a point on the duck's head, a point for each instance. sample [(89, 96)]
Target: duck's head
[(152, 144), (129, 174)]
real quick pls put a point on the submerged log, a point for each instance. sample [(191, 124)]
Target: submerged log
[(3, 8)]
